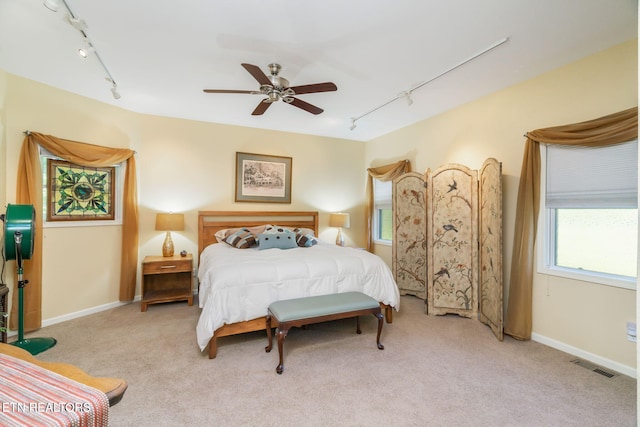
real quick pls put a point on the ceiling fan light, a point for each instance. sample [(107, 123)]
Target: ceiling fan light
[(266, 89), (273, 96), (52, 5)]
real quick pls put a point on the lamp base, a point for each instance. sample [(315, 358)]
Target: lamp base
[(167, 246), (340, 238), (35, 345)]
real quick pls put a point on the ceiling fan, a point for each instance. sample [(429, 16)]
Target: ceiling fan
[(277, 88)]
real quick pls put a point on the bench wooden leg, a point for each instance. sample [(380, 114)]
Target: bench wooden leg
[(358, 331), (380, 322), (282, 334)]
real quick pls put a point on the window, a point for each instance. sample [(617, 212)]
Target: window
[(589, 213), (382, 211), (119, 184)]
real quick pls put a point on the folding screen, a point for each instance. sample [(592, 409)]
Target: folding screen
[(447, 246)]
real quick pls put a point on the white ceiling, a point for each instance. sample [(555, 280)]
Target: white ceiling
[(163, 53)]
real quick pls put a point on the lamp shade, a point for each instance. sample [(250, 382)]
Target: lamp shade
[(169, 222), (339, 220)]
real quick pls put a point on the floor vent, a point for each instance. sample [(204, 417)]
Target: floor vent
[(592, 367)]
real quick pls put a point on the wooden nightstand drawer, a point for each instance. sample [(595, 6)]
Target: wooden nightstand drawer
[(170, 265)]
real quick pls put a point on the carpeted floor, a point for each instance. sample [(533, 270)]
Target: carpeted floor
[(434, 371)]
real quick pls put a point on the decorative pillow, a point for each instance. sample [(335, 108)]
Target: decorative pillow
[(284, 240), (241, 239), (221, 235), (305, 237), (272, 229)]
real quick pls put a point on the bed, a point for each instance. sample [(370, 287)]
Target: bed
[(236, 285)]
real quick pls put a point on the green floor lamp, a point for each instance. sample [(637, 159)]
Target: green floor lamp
[(19, 236)]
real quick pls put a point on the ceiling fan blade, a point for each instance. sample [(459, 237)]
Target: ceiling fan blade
[(313, 88), (250, 92), (261, 108), (306, 106), (257, 74)]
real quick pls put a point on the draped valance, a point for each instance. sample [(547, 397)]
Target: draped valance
[(29, 191), (383, 173), (611, 129)]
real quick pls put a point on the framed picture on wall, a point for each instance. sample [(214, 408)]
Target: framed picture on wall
[(79, 193), (263, 178)]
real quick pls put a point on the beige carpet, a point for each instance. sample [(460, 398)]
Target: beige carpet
[(434, 371)]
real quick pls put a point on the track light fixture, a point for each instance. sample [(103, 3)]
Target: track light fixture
[(52, 5), (407, 93), (78, 24), (407, 96), (114, 91), (86, 51), (81, 25)]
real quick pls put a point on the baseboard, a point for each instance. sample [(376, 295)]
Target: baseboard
[(85, 312), (593, 358), (78, 314)]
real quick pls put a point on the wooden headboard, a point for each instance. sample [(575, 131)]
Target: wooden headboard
[(210, 222)]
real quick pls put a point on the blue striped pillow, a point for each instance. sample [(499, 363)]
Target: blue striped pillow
[(304, 238)]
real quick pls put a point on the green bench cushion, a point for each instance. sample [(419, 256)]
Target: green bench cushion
[(321, 305)]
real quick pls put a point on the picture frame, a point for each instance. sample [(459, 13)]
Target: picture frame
[(79, 193), (263, 178)]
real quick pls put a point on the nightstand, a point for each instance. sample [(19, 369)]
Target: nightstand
[(166, 279)]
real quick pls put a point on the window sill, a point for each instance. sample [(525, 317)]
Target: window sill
[(66, 224), (591, 277)]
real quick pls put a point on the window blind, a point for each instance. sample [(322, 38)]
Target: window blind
[(592, 177), (382, 194)]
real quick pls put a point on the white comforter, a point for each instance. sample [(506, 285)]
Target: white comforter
[(239, 284)]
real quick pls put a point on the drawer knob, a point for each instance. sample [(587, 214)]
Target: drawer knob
[(167, 266)]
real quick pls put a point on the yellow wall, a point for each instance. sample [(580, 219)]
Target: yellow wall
[(183, 166), (570, 314)]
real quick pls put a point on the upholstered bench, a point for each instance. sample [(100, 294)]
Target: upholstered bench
[(321, 308)]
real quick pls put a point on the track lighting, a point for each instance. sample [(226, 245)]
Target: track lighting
[(52, 5), (81, 25), (407, 93)]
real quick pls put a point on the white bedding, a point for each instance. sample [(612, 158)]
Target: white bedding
[(239, 284)]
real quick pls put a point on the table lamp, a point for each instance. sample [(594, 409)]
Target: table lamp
[(169, 222), (340, 220)]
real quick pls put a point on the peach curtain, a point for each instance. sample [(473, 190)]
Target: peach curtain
[(607, 130), (383, 173), (29, 191)]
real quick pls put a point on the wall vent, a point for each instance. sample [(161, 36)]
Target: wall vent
[(592, 367)]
